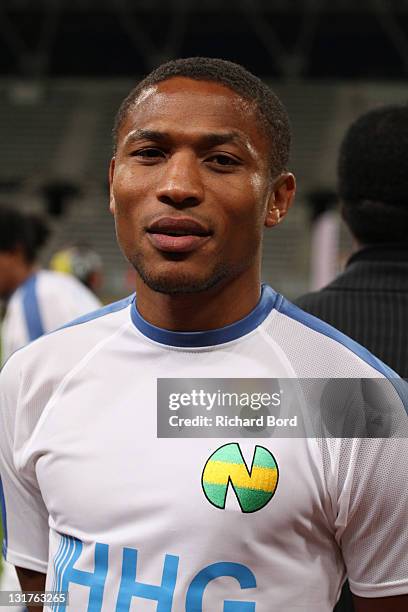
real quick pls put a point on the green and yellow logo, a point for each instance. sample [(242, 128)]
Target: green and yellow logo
[(254, 488)]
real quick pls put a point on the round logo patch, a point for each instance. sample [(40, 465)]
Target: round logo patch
[(253, 488)]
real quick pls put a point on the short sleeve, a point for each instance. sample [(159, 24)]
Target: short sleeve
[(373, 515), (25, 518)]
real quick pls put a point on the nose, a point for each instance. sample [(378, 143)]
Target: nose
[(181, 182)]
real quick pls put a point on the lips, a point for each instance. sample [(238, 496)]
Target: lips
[(177, 234), (178, 226)]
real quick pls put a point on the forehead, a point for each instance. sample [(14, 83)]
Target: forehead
[(187, 106)]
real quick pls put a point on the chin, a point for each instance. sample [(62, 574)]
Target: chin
[(178, 285), (172, 282)]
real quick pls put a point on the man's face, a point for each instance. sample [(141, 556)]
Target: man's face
[(190, 185)]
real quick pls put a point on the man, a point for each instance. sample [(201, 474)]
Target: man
[(369, 300), (124, 519), (37, 301)]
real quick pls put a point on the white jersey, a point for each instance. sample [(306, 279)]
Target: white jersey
[(126, 521), (46, 301)]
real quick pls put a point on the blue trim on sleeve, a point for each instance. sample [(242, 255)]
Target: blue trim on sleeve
[(296, 313), (4, 519), (210, 337), (101, 312), (31, 308)]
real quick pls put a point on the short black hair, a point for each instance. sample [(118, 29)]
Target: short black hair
[(373, 175), (270, 109), (26, 231)]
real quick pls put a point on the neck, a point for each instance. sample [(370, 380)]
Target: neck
[(212, 309)]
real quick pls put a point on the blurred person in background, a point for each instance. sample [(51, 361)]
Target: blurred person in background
[(369, 300), (37, 301), (82, 262)]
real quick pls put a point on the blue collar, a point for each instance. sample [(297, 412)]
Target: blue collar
[(209, 337)]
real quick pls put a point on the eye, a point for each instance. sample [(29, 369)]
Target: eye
[(148, 154), (223, 160)]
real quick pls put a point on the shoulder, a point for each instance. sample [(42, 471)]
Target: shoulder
[(34, 374), (50, 283), (320, 350), (57, 352)]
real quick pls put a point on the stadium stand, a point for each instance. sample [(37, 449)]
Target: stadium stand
[(65, 135)]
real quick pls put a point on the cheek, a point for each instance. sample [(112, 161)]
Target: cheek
[(247, 204), (262, 193), (258, 186), (127, 187)]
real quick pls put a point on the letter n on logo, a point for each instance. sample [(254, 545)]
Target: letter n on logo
[(253, 488)]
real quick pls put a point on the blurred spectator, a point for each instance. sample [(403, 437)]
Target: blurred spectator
[(369, 300), (38, 301), (82, 262)]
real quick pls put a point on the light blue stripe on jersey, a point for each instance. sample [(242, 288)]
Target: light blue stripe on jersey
[(31, 308), (55, 561), (209, 337), (69, 549), (296, 313), (61, 557), (64, 551), (65, 562), (4, 519)]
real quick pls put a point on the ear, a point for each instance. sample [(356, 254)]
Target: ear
[(280, 199), (111, 197)]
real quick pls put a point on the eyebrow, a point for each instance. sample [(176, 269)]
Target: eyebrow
[(206, 140)]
